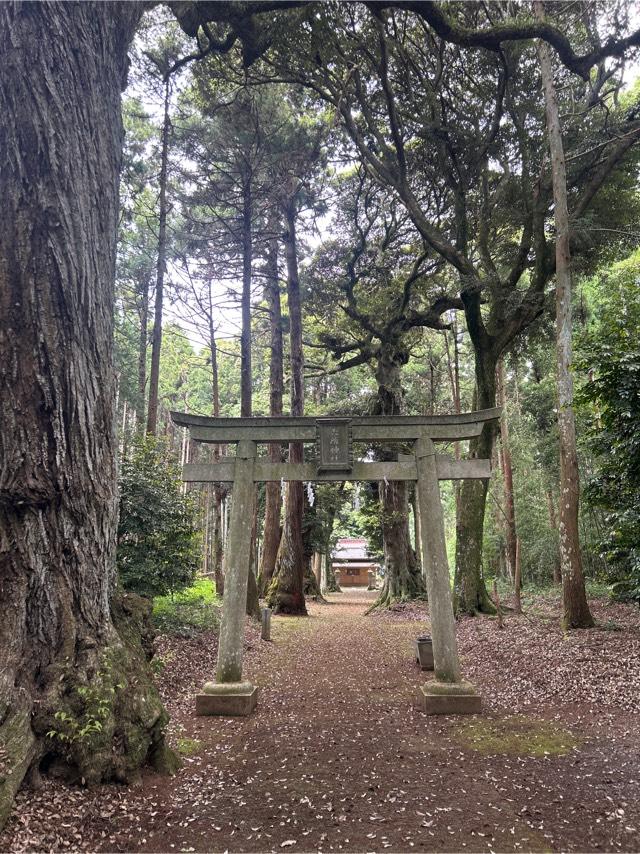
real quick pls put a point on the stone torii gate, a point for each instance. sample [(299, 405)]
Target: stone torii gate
[(333, 440)]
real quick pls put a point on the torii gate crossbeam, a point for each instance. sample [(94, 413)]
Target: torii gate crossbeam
[(333, 439)]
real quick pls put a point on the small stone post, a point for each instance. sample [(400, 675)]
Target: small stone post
[(228, 695), (266, 624), (448, 695)]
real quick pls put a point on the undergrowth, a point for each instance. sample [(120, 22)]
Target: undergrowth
[(195, 609)]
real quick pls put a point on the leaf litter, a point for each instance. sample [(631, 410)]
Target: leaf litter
[(338, 758)]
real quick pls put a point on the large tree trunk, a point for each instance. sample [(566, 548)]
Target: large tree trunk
[(61, 629), (470, 589), (576, 609), (311, 583), (403, 579), (329, 584), (156, 342), (285, 593), (273, 498)]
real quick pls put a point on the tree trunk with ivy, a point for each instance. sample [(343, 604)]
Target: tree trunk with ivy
[(71, 645)]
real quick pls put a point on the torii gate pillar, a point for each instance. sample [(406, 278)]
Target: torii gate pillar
[(229, 695), (448, 694)]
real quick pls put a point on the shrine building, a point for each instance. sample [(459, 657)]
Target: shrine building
[(351, 563)]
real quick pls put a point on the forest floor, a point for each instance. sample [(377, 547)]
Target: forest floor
[(338, 758)]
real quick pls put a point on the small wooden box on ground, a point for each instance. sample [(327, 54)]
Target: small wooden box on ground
[(424, 653), (444, 698), (227, 699)]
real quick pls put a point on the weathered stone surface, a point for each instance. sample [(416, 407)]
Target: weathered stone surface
[(266, 624), (236, 563), (434, 560), (424, 654), (227, 699), (442, 698)]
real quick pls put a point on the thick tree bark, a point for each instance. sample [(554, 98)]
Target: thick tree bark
[(316, 567), (156, 342), (576, 609), (273, 498), (61, 626), (470, 589), (285, 594), (311, 584), (403, 579)]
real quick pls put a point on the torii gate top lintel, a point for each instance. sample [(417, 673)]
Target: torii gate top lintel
[(333, 437), (284, 428)]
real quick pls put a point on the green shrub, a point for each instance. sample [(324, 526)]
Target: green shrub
[(610, 359), (158, 537), (192, 610)]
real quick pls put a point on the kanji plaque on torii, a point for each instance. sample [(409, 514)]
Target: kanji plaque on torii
[(334, 444), (333, 438)]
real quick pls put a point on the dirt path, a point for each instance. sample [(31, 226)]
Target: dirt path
[(337, 758)]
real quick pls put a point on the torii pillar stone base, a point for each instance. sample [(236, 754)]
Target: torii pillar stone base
[(231, 699), (442, 698)]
